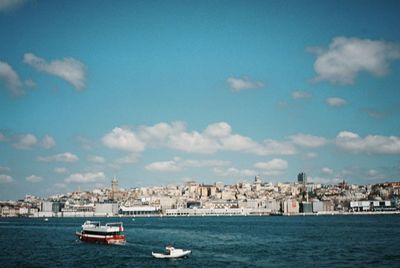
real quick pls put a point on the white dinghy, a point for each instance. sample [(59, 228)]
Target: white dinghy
[(171, 253)]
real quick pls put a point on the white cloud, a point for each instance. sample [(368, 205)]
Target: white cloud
[(239, 84), (9, 5), (63, 157), (11, 78), (327, 171), (128, 159), (202, 163), (238, 143), (28, 141), (123, 139), (60, 170), (178, 164), (6, 178), (193, 142), (48, 142), (165, 166), (234, 172), (216, 137), (96, 159), (218, 130), (69, 69), (301, 94), (159, 133), (274, 167), (34, 179), (374, 144), (335, 102), (25, 141), (89, 177), (346, 57), (274, 147), (308, 140)]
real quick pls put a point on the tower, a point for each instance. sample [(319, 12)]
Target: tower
[(302, 178), (114, 188)]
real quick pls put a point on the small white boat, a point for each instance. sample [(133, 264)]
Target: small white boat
[(171, 253), (46, 219)]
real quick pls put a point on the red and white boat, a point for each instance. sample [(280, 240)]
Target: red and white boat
[(111, 233)]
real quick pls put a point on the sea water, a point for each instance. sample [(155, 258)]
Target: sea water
[(257, 241)]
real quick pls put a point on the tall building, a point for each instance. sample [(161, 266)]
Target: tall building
[(302, 178), (114, 185), (114, 188)]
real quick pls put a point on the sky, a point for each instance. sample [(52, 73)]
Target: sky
[(164, 92)]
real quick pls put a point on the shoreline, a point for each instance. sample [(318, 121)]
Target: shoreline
[(331, 213)]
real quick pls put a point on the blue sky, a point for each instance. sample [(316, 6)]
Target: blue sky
[(161, 92)]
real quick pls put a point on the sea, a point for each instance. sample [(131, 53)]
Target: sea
[(252, 241)]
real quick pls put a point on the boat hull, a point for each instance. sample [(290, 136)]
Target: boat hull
[(102, 239), (171, 256)]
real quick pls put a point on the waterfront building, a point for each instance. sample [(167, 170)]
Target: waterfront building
[(46, 206), (306, 207), (386, 205), (140, 211), (106, 209), (290, 206)]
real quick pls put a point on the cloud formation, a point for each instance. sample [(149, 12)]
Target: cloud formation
[(123, 139), (301, 94), (89, 177), (47, 142), (239, 84), (234, 172), (347, 57), (29, 141), (327, 171), (178, 164), (96, 159), (373, 144), (216, 137), (273, 167), (305, 140), (6, 178), (25, 141), (165, 166), (11, 79), (69, 69), (63, 157), (336, 102), (34, 179)]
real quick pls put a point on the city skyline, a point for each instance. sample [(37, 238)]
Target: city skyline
[(159, 93)]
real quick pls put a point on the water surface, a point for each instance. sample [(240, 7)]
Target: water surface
[(314, 241)]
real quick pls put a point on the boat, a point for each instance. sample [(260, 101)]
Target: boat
[(171, 253), (46, 219), (111, 233)]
